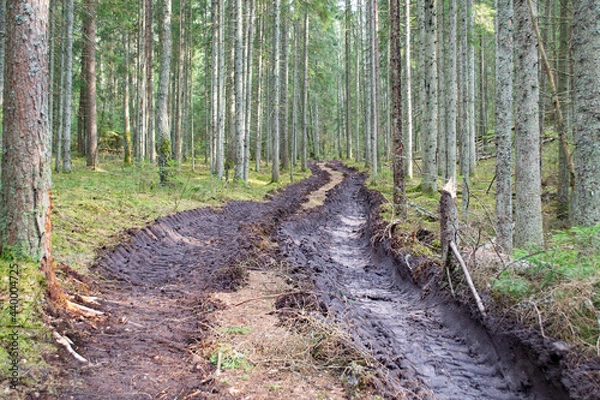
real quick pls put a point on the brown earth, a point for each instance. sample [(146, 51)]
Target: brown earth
[(269, 300)]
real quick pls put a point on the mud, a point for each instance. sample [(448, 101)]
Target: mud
[(427, 342), (154, 289)]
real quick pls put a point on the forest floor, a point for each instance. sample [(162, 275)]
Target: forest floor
[(295, 297)]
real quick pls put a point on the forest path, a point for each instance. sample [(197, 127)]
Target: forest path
[(200, 283)]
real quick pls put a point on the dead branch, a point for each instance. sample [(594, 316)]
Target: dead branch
[(272, 296), (468, 276), (66, 342)]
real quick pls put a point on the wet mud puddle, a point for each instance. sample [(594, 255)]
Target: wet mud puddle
[(451, 355)]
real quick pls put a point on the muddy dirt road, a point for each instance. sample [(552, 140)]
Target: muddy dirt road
[(453, 357), (156, 296)]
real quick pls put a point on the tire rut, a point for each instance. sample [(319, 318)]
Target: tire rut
[(421, 339)]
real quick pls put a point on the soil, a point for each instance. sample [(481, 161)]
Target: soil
[(207, 283)]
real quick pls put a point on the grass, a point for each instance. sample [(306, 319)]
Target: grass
[(555, 289), (92, 210)]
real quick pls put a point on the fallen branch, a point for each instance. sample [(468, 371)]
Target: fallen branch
[(424, 212), (83, 310), (66, 342), (468, 276)]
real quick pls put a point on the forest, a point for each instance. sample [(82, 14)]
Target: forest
[(202, 192)]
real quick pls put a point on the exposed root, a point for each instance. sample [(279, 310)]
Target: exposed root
[(66, 342)]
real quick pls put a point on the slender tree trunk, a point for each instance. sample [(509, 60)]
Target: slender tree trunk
[(57, 113), (408, 134), (221, 107), (463, 90), (452, 94), (304, 142), (284, 151), (126, 111), (140, 130), (443, 119), (347, 81), (91, 126), (276, 89), (586, 85), (214, 92), (178, 114), (564, 89), (26, 150), (2, 47), (240, 135), (471, 86), (248, 91), (528, 206), (162, 99), (375, 90), (296, 99), (504, 123), (260, 97), (430, 117), (396, 109), (149, 112)]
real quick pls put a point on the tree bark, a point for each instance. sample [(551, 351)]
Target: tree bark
[(284, 151), (240, 135), (504, 123), (396, 109), (276, 128), (304, 142), (162, 100), (26, 159), (586, 85), (149, 75), (408, 134), (91, 123), (452, 95), (528, 206), (430, 117)]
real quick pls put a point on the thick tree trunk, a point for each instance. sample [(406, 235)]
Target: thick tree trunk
[(26, 152), (586, 58), (528, 205), (504, 123), (430, 117), (162, 99), (91, 124)]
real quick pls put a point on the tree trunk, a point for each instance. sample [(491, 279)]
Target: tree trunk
[(126, 110), (304, 142), (179, 94), (284, 105), (149, 112), (471, 86), (452, 95), (408, 134), (240, 135), (528, 206), (296, 99), (260, 96), (91, 125), (276, 129), (140, 128), (248, 90), (463, 119), (396, 109), (26, 153), (430, 117), (347, 81), (443, 118), (586, 85), (162, 99), (564, 89), (221, 108), (504, 123)]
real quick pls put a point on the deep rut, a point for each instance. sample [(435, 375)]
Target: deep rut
[(453, 357)]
